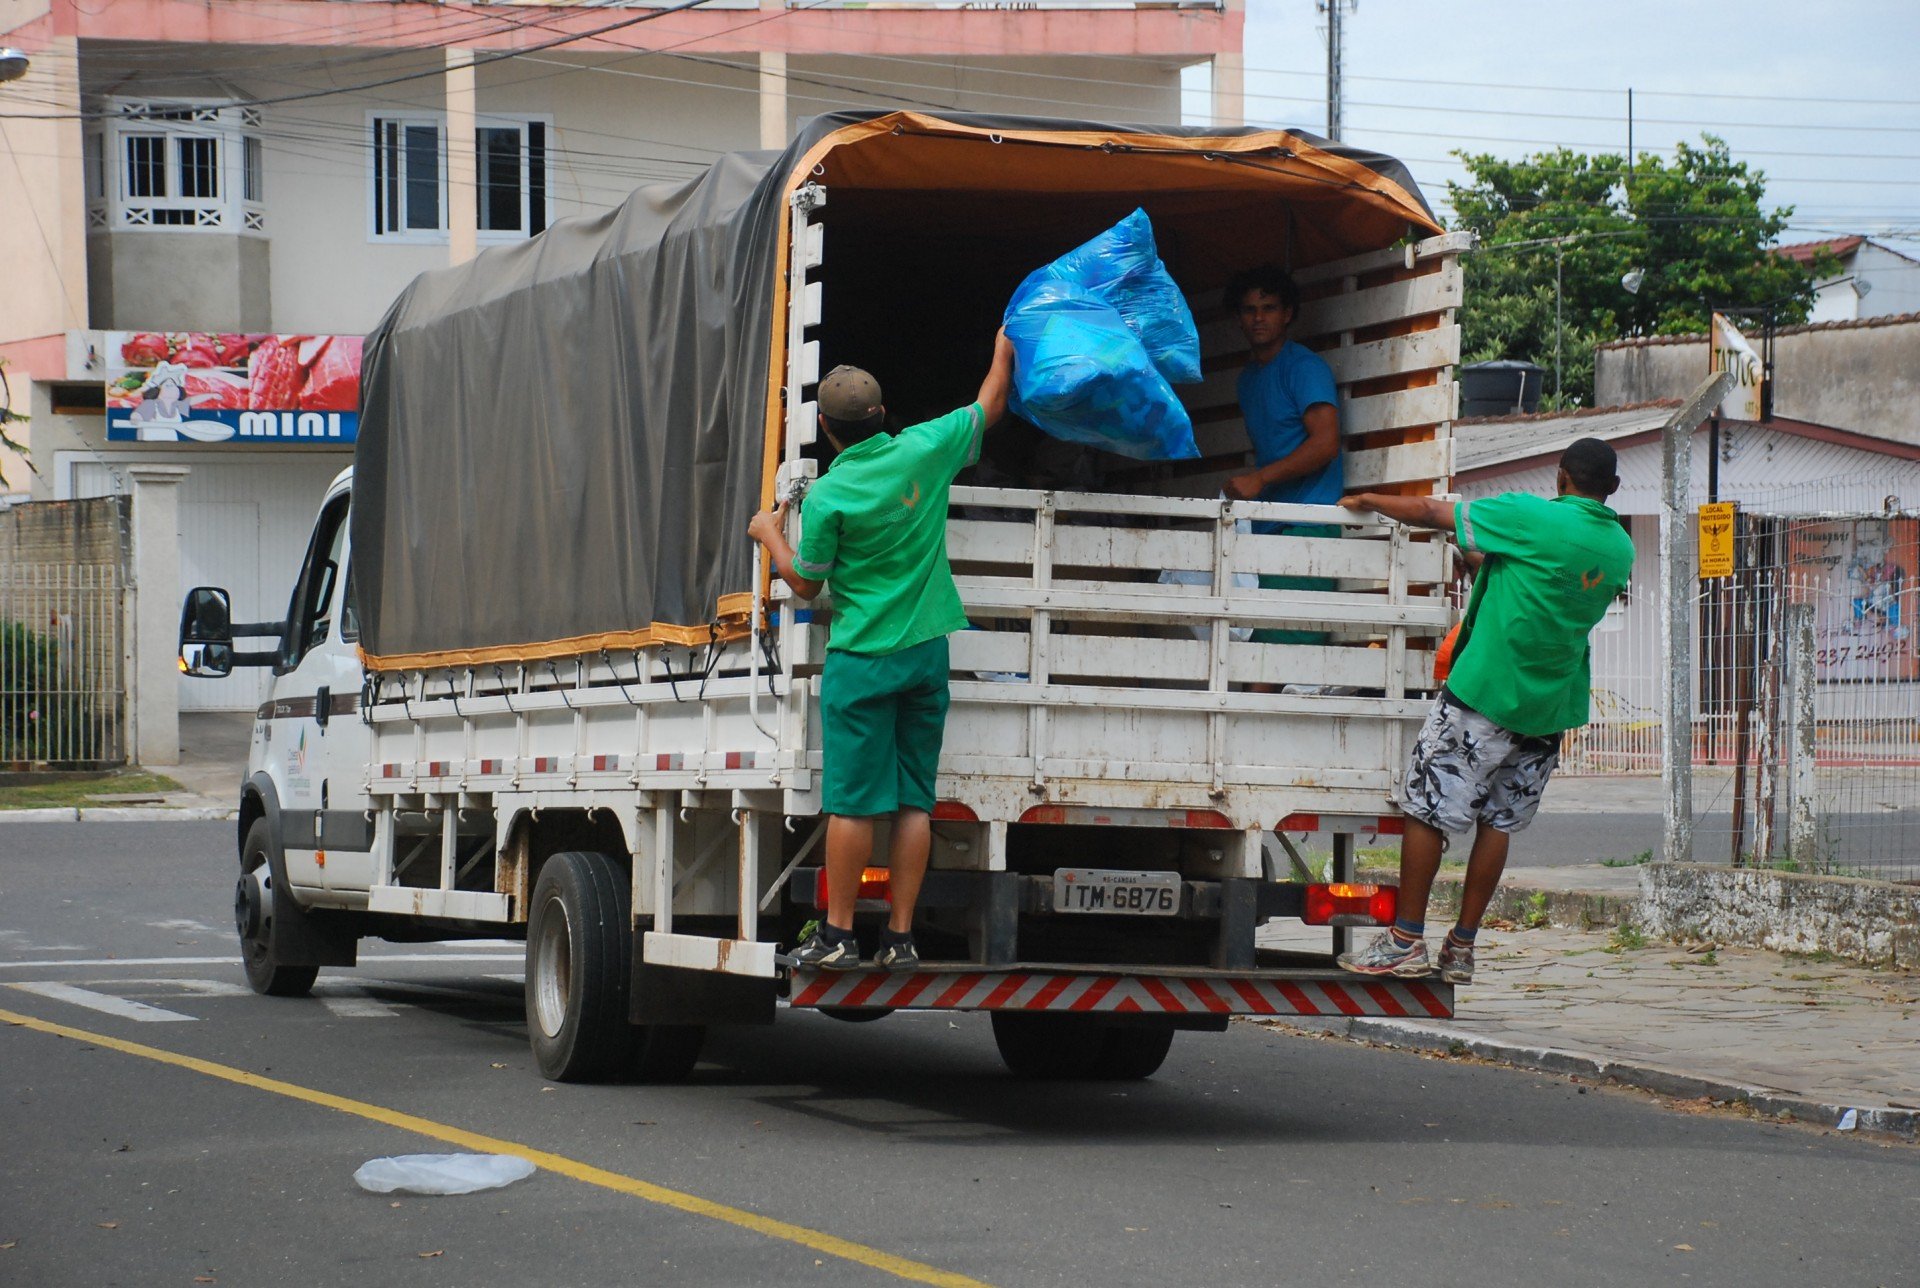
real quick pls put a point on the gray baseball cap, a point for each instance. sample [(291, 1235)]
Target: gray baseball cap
[(849, 394)]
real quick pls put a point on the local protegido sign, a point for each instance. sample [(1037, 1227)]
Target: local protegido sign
[(207, 387)]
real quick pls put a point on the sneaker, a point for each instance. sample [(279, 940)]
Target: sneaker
[(817, 952), (898, 955), (1388, 956), (1456, 962)]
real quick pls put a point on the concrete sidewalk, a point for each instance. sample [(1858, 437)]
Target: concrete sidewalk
[(1786, 1035)]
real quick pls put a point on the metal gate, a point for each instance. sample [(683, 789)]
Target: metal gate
[(62, 675)]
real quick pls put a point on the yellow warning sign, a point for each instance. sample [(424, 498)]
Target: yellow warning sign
[(1716, 540)]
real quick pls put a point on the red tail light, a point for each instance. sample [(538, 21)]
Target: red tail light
[(876, 885), (1350, 905)]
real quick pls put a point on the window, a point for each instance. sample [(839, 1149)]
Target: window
[(512, 161), (164, 165), (251, 177), (309, 619), (409, 178)]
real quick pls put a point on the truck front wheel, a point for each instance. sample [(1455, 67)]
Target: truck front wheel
[(253, 918), (579, 957), (1073, 1047)]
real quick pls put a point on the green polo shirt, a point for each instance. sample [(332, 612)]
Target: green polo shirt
[(874, 528), (1552, 568)]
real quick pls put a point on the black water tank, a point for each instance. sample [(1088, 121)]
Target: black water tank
[(1501, 388)]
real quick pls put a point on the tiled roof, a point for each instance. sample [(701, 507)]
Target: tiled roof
[(1496, 440), (1805, 251), (1699, 337)]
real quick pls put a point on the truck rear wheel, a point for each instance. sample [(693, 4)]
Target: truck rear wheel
[(579, 957), (1070, 1047), (253, 918)]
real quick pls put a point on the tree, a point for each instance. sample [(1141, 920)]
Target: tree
[(1693, 228)]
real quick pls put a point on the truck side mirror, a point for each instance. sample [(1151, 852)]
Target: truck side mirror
[(206, 633)]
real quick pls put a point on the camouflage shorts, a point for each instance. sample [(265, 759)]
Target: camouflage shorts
[(1467, 769)]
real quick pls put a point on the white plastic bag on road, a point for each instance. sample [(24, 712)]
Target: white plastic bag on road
[(441, 1173)]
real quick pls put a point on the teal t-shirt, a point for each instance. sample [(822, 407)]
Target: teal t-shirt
[(1274, 398), (874, 528), (1552, 568)]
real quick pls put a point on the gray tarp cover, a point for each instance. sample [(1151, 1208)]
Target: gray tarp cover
[(562, 440)]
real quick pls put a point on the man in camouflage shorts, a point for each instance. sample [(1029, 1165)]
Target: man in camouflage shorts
[(1548, 569)]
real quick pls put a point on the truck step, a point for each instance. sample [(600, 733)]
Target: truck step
[(944, 987)]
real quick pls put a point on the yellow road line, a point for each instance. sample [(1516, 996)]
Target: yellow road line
[(819, 1241)]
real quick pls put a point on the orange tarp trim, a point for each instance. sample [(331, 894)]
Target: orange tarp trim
[(730, 623)]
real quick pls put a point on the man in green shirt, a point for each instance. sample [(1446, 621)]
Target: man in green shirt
[(874, 528), (1520, 678)]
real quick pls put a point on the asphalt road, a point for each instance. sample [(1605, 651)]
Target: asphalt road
[(1884, 843), (1254, 1157)]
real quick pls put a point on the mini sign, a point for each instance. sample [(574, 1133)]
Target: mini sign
[(1716, 540), (207, 387)]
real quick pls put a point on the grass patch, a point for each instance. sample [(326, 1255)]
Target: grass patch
[(1645, 856), (1535, 915), (1626, 939), (79, 791)]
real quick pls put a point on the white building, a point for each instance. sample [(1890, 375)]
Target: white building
[(1874, 280)]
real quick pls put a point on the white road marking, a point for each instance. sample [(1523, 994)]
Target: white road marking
[(234, 961), (513, 977), (102, 1002), (199, 987), (182, 923)]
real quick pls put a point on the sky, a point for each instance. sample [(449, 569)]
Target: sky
[(1821, 96)]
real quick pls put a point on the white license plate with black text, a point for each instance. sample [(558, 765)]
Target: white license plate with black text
[(1143, 894)]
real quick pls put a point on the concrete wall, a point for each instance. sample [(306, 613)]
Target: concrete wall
[(140, 280), (1867, 921), (66, 532), (1863, 376)]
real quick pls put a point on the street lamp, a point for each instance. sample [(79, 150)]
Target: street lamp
[(13, 63), (1559, 245)]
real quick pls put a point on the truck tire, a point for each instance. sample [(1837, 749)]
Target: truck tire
[(253, 918), (579, 959), (1069, 1047)]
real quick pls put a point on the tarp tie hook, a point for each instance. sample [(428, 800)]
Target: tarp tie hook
[(501, 676), (454, 695), (820, 167), (558, 686), (615, 673), (995, 138)]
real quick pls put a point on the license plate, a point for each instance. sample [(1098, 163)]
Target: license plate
[(1140, 894)]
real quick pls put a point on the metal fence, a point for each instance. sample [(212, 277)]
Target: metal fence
[(62, 687), (1806, 687)]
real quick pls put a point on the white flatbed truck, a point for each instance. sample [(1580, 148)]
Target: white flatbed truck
[(1117, 756)]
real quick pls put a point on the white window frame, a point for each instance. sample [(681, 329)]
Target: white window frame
[(404, 235), (112, 207), (439, 236)]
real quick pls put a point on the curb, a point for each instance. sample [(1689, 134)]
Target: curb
[(1648, 1077), (108, 814)]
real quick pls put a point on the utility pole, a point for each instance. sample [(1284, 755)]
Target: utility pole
[(1335, 10)]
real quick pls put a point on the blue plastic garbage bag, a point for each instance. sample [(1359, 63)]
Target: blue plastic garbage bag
[(1097, 335)]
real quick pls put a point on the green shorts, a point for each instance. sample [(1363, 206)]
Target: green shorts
[(1271, 582), (882, 719)]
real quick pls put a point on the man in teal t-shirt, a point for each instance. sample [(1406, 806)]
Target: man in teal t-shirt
[(1520, 678), (1291, 409), (874, 529)]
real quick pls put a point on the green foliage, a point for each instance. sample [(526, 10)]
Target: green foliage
[(1535, 917), (8, 416), (1694, 226), (1645, 856), (40, 717), (1626, 939)]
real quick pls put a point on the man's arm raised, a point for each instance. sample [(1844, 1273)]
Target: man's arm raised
[(999, 382)]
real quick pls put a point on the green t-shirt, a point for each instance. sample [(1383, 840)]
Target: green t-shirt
[(875, 529), (1552, 568)]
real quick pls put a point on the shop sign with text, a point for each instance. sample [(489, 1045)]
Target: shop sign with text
[(230, 387)]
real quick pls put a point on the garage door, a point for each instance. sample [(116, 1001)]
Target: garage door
[(243, 526)]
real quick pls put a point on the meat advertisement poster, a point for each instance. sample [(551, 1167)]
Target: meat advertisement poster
[(206, 387), (1862, 577)]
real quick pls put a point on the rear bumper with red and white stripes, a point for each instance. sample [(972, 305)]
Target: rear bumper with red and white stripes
[(1096, 993)]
